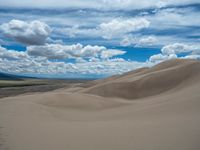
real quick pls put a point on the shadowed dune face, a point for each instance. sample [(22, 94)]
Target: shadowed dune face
[(148, 82)]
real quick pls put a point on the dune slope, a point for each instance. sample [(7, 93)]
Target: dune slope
[(156, 80)]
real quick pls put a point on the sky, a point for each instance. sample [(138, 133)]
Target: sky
[(95, 38)]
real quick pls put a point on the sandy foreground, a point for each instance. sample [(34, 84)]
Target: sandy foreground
[(147, 109)]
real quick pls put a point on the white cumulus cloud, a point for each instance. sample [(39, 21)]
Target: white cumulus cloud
[(11, 54), (59, 51), (30, 33), (119, 27), (160, 57), (172, 50), (111, 53), (178, 48), (146, 41)]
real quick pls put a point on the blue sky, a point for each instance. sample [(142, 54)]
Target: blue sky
[(95, 38)]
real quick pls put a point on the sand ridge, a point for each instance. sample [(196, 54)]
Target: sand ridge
[(148, 82)]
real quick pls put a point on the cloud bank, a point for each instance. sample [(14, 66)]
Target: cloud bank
[(58, 51), (97, 4), (24, 63)]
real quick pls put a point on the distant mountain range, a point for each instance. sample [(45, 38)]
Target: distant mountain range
[(6, 76)]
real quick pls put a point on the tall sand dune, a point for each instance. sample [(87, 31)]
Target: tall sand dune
[(154, 108), (147, 82)]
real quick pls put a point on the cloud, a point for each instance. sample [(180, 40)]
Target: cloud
[(100, 63), (20, 62), (111, 53), (59, 51), (112, 29), (2, 42), (161, 4), (170, 24), (160, 57), (164, 25), (119, 27), (147, 41), (169, 18), (11, 54), (172, 50), (128, 40), (192, 57), (90, 51), (99, 4), (30, 33), (178, 48), (53, 51)]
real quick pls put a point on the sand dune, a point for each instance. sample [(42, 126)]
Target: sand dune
[(154, 108), (147, 82)]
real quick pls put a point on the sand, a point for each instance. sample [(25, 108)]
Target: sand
[(148, 109)]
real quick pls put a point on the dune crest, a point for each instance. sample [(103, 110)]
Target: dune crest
[(148, 82)]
